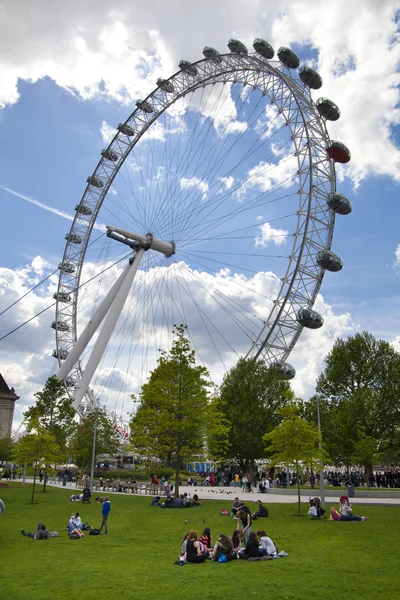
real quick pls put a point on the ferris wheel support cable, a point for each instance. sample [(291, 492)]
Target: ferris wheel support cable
[(28, 292)]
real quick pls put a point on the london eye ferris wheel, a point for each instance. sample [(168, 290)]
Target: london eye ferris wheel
[(214, 205)]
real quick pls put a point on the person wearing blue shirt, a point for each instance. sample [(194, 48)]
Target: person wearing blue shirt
[(105, 511)]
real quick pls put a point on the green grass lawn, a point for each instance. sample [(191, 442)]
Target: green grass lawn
[(326, 560)]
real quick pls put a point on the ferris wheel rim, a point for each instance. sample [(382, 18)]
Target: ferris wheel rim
[(231, 62)]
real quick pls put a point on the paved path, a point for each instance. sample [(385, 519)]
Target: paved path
[(229, 493)]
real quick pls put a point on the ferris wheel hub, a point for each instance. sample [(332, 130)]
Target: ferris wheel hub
[(146, 242)]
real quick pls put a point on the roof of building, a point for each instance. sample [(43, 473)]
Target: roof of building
[(4, 389)]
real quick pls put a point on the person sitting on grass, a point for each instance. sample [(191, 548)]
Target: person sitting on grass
[(195, 552), (195, 500), (252, 548), (236, 540), (223, 547), (236, 504), (336, 516), (155, 501), (267, 546), (75, 522), (41, 533), (206, 539), (262, 511)]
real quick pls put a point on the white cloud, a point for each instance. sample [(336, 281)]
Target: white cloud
[(227, 182), (118, 52), (107, 132), (397, 255), (266, 176), (194, 182), (269, 235)]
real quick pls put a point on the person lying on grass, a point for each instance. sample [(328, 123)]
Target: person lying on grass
[(336, 516), (41, 533)]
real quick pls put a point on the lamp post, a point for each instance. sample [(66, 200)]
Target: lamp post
[(321, 473)]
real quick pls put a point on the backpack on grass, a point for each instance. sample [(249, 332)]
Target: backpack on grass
[(74, 536), (94, 532), (86, 527)]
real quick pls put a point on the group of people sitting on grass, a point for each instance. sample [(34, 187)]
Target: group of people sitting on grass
[(181, 501), (198, 549)]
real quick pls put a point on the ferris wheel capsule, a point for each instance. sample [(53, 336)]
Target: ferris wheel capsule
[(284, 370), (339, 204), (237, 46), (328, 109), (263, 48), (338, 152), (145, 106), (187, 66), (165, 85), (329, 261), (61, 354), (310, 318), (288, 57), (126, 129), (212, 54), (62, 297), (110, 154), (310, 78)]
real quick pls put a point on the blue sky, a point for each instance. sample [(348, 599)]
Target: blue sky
[(66, 89)]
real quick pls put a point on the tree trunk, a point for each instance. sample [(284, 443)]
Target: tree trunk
[(298, 492), (33, 487), (177, 471)]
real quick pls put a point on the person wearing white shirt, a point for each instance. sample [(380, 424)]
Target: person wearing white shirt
[(267, 546), (75, 522)]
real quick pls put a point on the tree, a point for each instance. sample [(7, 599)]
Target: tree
[(250, 396), (295, 443), (81, 442), (36, 448), (6, 446), (174, 413), (361, 384), (53, 413)]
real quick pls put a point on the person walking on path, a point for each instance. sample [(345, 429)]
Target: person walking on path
[(105, 511)]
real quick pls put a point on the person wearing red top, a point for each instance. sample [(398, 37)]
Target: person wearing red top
[(206, 539), (154, 480)]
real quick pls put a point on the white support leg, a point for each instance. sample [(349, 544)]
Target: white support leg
[(91, 327), (107, 329)]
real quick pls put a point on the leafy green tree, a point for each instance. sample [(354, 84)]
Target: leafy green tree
[(6, 446), (36, 448), (361, 384), (53, 413), (337, 429), (174, 413), (81, 442), (250, 396), (295, 443)]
